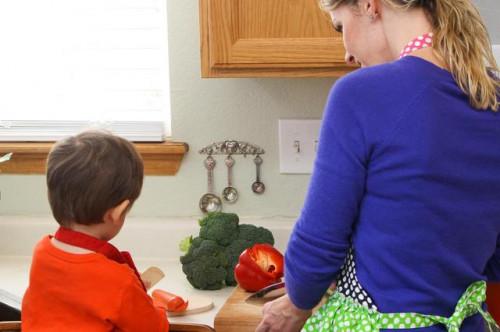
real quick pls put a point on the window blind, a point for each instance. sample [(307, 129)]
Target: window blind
[(68, 65)]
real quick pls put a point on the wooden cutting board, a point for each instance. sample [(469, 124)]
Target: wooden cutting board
[(197, 304), (236, 315)]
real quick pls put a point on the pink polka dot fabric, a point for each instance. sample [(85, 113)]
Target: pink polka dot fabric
[(417, 44)]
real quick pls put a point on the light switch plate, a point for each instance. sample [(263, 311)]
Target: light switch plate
[(496, 53), (298, 140)]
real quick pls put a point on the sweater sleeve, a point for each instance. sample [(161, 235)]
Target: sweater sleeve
[(321, 236), (493, 267), (137, 312)]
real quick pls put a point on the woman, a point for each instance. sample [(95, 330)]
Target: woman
[(403, 209)]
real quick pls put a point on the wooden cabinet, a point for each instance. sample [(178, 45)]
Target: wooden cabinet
[(269, 38)]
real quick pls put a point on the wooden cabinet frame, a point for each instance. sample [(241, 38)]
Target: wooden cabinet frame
[(227, 51)]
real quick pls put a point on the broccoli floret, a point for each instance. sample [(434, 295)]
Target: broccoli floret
[(205, 274), (205, 264), (196, 242), (204, 248), (220, 227), (230, 280), (255, 234), (212, 256), (233, 252)]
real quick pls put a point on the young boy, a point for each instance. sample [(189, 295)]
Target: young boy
[(78, 281)]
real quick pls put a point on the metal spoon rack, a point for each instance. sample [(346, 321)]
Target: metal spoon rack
[(210, 202)]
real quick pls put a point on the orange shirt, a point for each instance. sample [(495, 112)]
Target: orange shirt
[(85, 292)]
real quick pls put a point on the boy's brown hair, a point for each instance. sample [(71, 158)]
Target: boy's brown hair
[(90, 173)]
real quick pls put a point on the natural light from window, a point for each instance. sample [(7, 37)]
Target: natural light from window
[(67, 65)]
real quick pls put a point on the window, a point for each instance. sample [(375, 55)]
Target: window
[(67, 65)]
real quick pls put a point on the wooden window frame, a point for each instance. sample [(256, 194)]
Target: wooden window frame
[(29, 157)]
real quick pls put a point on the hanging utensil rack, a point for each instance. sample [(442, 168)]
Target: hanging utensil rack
[(210, 201), (232, 147)]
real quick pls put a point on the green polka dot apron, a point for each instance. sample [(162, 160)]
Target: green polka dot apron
[(342, 313)]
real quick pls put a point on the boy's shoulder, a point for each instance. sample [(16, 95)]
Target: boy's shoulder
[(101, 267)]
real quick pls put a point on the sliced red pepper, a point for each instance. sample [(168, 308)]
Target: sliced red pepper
[(258, 267), (169, 301)]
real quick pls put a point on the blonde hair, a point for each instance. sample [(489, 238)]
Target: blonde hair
[(461, 41)]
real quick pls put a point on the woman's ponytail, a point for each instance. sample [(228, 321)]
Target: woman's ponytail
[(462, 42)]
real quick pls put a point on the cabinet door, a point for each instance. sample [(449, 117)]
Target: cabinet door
[(269, 38)]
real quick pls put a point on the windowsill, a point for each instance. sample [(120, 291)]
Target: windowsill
[(29, 157)]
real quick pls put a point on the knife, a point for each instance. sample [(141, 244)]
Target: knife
[(151, 276), (266, 294)]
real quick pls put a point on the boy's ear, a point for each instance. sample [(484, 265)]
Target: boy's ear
[(116, 213)]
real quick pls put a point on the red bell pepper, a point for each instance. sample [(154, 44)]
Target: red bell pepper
[(258, 267), (168, 301)]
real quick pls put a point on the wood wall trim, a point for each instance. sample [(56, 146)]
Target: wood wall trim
[(204, 39), (29, 157), (261, 71)]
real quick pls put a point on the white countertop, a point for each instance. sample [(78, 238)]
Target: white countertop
[(152, 242), (14, 273)]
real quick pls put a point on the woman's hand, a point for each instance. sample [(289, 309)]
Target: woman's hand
[(281, 315)]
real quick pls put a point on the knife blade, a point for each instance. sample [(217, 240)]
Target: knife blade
[(266, 294), (152, 276)]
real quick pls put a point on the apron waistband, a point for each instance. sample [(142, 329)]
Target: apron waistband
[(342, 314)]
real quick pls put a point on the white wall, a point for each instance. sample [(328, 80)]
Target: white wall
[(205, 111), (209, 110), (490, 11)]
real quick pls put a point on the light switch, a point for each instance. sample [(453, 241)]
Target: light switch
[(496, 53), (298, 141)]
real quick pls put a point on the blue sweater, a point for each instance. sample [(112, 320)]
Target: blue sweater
[(409, 173)]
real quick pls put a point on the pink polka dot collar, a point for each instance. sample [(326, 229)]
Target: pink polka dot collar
[(418, 43)]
